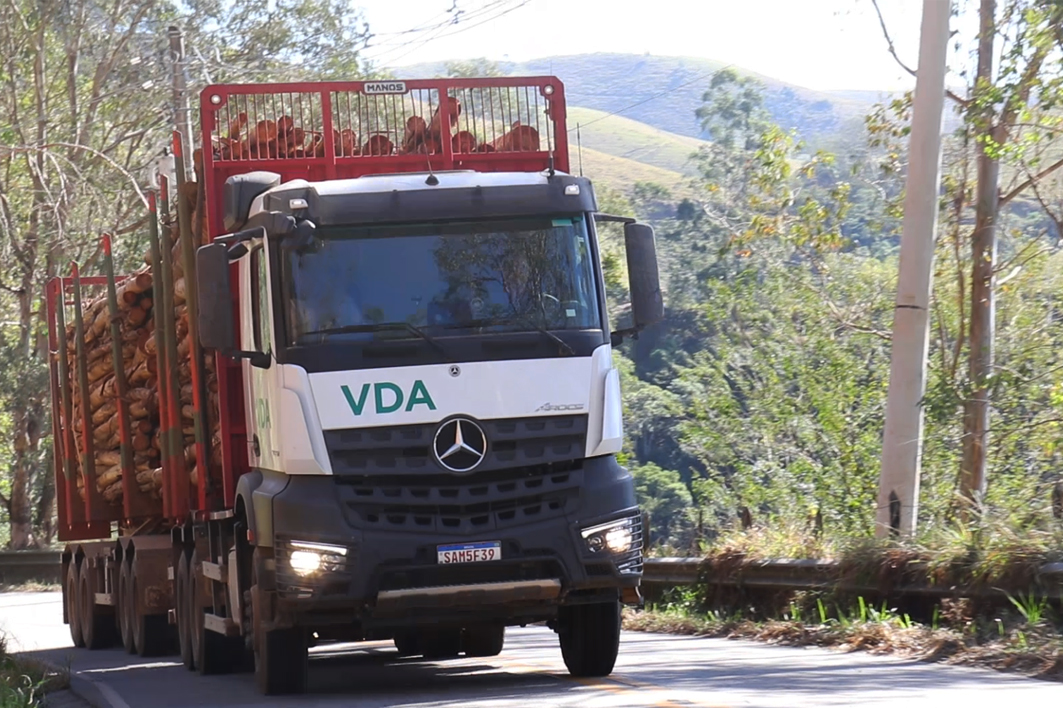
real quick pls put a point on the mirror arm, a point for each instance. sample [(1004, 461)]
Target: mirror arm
[(613, 218), (617, 338), (260, 360), (241, 236)]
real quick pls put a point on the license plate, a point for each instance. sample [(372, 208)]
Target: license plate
[(469, 552)]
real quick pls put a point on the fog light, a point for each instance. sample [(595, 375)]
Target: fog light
[(305, 562)]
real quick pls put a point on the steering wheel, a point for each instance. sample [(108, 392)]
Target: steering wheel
[(552, 308)]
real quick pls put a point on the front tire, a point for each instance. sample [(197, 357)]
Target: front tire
[(440, 644), (483, 641), (281, 661), (590, 637)]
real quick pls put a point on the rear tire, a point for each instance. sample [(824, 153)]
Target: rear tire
[(152, 634), (97, 628), (483, 641), (184, 634), (212, 653), (590, 637), (73, 604), (127, 608)]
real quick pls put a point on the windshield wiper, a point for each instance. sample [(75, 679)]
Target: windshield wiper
[(487, 322), (384, 327)]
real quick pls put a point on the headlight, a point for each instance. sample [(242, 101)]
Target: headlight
[(615, 536), (309, 558)]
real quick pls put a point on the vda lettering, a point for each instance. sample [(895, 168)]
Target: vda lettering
[(388, 397)]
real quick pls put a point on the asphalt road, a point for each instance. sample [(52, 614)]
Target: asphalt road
[(653, 670)]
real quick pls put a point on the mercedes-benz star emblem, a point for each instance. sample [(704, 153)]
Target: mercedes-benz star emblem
[(460, 445)]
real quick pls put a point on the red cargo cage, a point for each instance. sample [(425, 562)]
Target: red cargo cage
[(340, 130)]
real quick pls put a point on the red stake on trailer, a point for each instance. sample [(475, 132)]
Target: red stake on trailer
[(93, 504), (195, 355)]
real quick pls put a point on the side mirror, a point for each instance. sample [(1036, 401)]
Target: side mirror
[(216, 329), (647, 303)]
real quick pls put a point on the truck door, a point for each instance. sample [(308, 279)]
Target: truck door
[(260, 383)]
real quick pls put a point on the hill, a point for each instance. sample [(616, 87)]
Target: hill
[(621, 174), (632, 140), (664, 91)]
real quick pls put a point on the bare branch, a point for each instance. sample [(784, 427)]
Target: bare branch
[(897, 58), (1033, 179)]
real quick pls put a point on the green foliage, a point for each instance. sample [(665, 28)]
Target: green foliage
[(472, 68), (666, 500)]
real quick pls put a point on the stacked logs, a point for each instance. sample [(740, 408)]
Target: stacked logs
[(280, 139), (139, 363), (137, 310)]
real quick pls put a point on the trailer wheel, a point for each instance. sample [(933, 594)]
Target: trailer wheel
[(97, 628), (485, 640), (590, 637), (126, 608), (73, 606), (151, 633), (182, 603)]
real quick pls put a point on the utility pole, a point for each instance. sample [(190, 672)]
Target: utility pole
[(182, 114), (902, 439)]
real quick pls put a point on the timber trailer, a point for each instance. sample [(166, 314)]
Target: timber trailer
[(396, 324)]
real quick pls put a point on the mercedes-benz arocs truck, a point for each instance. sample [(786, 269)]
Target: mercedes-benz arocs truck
[(397, 297)]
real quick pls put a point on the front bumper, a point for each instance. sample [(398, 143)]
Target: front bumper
[(390, 536)]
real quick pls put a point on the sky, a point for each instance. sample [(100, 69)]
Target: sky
[(819, 44)]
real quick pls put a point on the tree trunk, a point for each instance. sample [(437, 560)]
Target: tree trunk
[(983, 298)]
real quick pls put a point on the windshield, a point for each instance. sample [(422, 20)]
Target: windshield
[(452, 278)]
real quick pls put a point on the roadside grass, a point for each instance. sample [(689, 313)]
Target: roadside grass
[(1008, 642), (991, 551), (1004, 624), (31, 586), (24, 682)]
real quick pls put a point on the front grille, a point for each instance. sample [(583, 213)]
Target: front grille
[(429, 576), (514, 442), (462, 505), (631, 562)]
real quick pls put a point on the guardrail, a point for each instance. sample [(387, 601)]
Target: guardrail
[(820, 575), (18, 567)]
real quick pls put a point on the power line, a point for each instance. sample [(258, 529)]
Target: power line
[(647, 100), (501, 8)]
